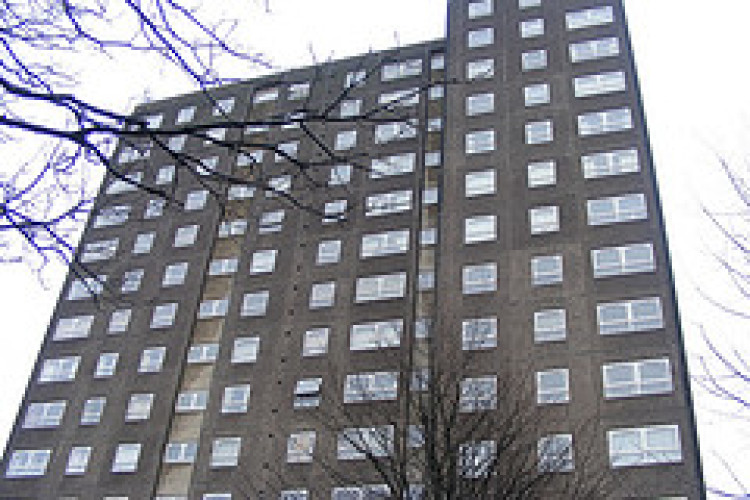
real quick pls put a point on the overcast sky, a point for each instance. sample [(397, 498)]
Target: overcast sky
[(693, 70)]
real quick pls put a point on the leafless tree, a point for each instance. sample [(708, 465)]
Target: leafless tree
[(723, 364), (447, 435), (48, 197)]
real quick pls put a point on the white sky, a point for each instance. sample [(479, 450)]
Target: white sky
[(694, 77)]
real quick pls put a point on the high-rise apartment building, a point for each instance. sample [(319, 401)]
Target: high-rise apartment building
[(507, 215)]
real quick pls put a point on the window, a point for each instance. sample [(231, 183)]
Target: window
[(479, 183), (373, 386), (340, 175), (307, 393), (207, 166), (250, 158), (196, 200), (386, 243), (223, 106), (603, 83), (589, 17), (616, 209), (119, 321), (477, 459), (605, 122), (594, 49), (555, 453), (106, 365), (126, 457), (264, 261), (540, 132), (286, 151), (387, 132), (630, 316), (245, 349), (165, 175), (87, 287), (366, 492), (536, 94), (78, 460), (546, 270), (131, 280), (526, 4), (359, 443), (152, 359), (190, 401), (550, 325), (392, 165), (329, 252), (240, 192), (480, 141), (235, 399), (112, 216), (388, 203), (480, 37), (225, 452), (479, 8), (376, 335), (479, 333), (637, 378), (44, 415), (428, 237), (542, 173), (164, 315), (656, 444), (265, 95), (531, 28), (322, 295), (315, 342), (298, 91), (236, 227), (350, 108), (399, 98), (222, 267), (294, 495), (59, 370), (436, 92), (278, 185), (334, 211), (214, 135), (143, 243), (139, 407), (174, 274), (176, 143), (254, 304), (480, 69), (185, 236), (403, 69), (92, 410), (154, 208), (479, 104), (28, 463), (628, 259), (129, 183), (203, 353), (478, 394), (99, 250), (437, 62), (355, 78), (346, 139), (180, 453), (77, 327), (300, 447), (544, 219), (617, 162), (552, 386), (380, 287), (534, 59), (480, 228), (479, 278), (271, 222)]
